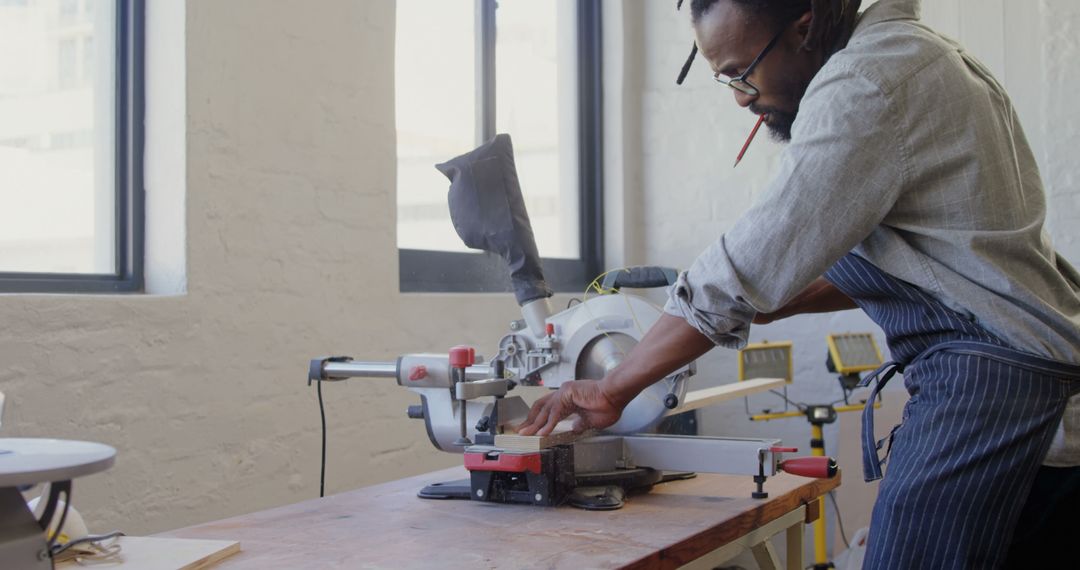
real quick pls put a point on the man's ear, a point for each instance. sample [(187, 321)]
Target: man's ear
[(802, 25)]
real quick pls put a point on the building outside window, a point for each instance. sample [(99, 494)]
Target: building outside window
[(70, 145), (468, 69)]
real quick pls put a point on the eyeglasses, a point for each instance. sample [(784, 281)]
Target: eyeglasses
[(740, 83)]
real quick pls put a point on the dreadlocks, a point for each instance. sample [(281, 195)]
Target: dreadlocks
[(830, 27)]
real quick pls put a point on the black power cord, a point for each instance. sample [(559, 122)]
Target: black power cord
[(56, 488), (61, 548), (322, 463), (317, 373), (796, 405), (839, 521)]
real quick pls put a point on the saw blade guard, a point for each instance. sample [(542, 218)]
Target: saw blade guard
[(595, 337)]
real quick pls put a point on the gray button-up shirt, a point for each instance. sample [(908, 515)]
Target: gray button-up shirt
[(907, 151)]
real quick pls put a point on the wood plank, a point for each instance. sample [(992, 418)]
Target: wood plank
[(562, 434), (151, 553), (709, 396), (387, 526), (696, 399), (514, 442)]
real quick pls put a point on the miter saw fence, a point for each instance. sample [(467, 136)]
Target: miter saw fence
[(464, 400)]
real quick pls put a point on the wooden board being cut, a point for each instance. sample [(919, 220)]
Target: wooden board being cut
[(514, 442), (701, 398), (146, 553), (562, 434)]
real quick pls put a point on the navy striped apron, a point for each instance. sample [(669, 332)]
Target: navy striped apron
[(979, 422)]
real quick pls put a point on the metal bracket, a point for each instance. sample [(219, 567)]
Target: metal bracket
[(480, 388)]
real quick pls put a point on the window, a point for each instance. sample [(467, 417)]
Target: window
[(69, 11), (468, 69), (71, 193)]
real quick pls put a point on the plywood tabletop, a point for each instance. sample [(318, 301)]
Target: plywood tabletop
[(387, 526)]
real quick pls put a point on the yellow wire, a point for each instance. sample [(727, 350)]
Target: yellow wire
[(595, 286), (601, 291), (634, 315), (596, 282)]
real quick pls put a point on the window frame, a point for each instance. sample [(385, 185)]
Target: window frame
[(129, 223), (428, 271)]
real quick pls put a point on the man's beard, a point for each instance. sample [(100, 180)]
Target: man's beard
[(779, 122)]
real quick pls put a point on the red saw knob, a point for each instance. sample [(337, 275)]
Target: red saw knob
[(462, 356), (817, 467)]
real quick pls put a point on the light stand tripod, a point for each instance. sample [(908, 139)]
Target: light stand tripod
[(849, 355)]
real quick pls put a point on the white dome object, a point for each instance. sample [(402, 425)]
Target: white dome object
[(74, 526)]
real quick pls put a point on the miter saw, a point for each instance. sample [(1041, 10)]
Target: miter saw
[(465, 402)]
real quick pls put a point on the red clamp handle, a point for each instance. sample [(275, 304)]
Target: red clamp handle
[(462, 356), (816, 467), (783, 449)]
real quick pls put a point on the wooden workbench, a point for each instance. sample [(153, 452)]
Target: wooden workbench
[(387, 526)]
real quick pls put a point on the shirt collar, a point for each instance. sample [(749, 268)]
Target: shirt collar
[(889, 10)]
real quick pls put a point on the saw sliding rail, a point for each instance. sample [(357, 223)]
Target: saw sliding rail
[(728, 455), (758, 457), (336, 368)]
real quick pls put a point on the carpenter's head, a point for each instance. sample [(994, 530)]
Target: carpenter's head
[(784, 41)]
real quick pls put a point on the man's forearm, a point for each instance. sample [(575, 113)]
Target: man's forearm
[(670, 344)]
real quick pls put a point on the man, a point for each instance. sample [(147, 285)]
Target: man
[(907, 190)]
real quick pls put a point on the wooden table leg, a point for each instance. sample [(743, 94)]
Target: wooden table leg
[(765, 555), (795, 535), (757, 541)]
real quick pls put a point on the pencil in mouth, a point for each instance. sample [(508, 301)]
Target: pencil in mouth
[(749, 139)]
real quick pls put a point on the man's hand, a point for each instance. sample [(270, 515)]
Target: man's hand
[(670, 344), (582, 397)]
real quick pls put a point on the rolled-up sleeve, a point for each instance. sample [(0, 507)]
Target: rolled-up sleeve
[(838, 178)]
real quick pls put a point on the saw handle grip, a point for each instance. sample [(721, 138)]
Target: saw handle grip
[(640, 277), (816, 467)]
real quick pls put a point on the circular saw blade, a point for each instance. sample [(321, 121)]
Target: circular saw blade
[(603, 354)]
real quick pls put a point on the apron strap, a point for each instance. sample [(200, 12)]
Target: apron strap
[(872, 461), (1007, 355)]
